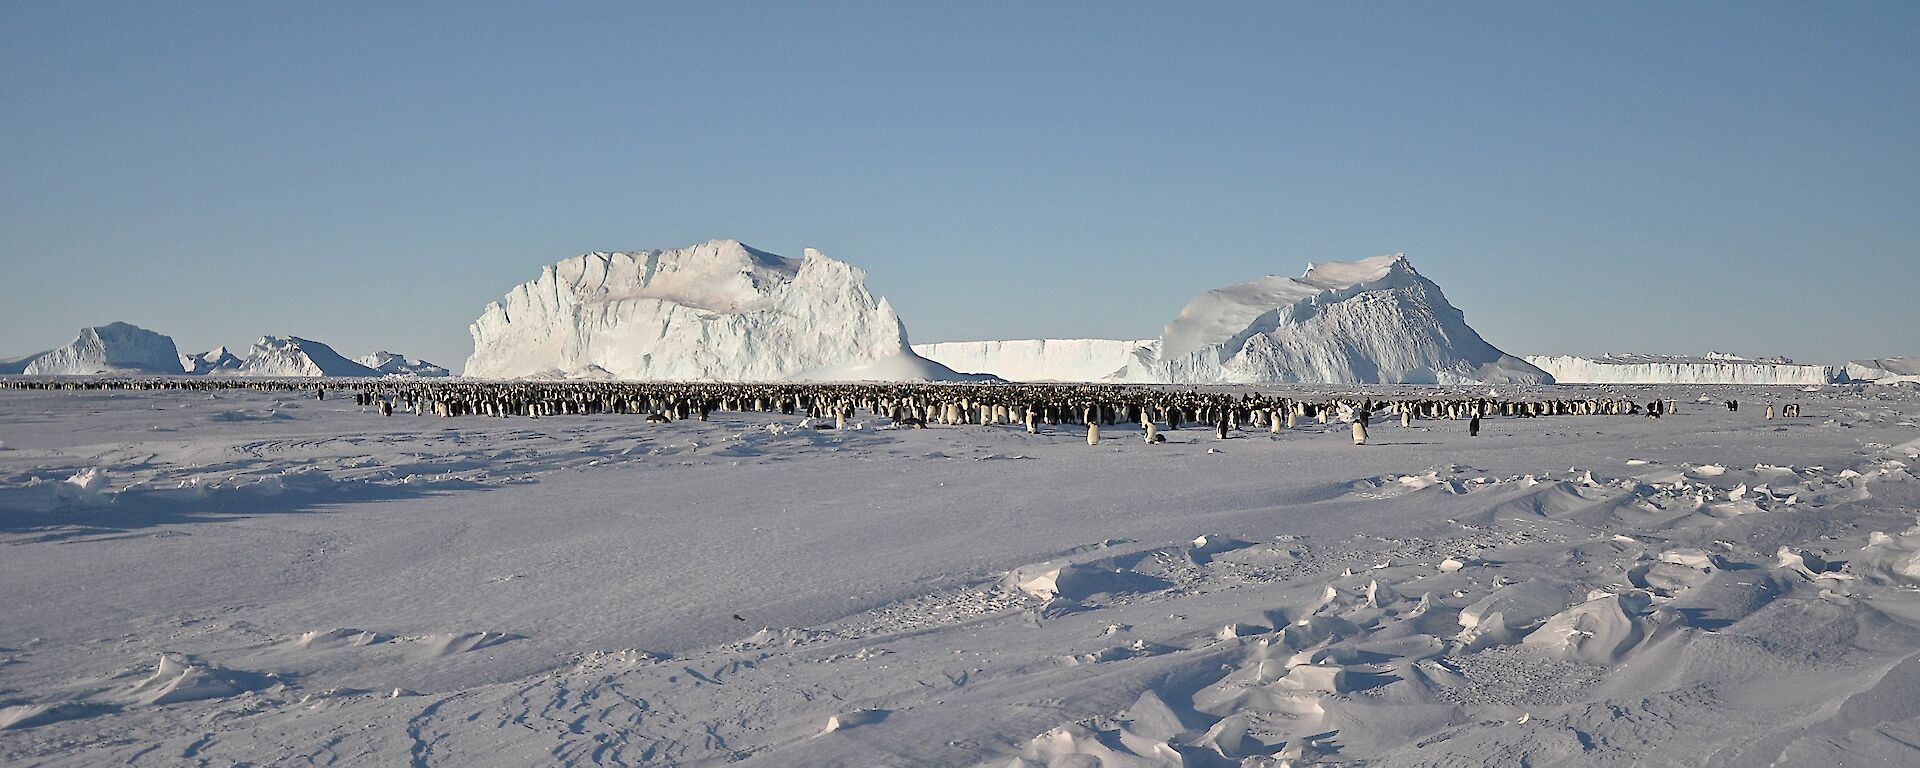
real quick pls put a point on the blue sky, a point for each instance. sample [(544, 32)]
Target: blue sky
[(1579, 178)]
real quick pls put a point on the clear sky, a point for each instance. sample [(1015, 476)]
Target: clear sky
[(1578, 177)]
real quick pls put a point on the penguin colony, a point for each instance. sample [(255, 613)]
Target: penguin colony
[(906, 405)]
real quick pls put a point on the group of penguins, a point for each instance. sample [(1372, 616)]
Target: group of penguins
[(911, 405)]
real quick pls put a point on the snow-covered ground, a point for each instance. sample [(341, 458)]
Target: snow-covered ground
[(263, 578)]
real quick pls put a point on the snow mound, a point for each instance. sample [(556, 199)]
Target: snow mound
[(293, 357), (1712, 368), (1370, 321), (1041, 359), (1885, 370), (175, 680), (216, 360), (395, 364), (114, 348), (717, 311)]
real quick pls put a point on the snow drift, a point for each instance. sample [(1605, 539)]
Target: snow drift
[(295, 357), (716, 311), (1041, 359), (395, 364), (110, 348), (1370, 321), (1714, 368)]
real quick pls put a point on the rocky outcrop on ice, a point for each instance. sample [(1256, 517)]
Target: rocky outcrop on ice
[(394, 364), (295, 357), (715, 311), (216, 360), (1370, 321), (1041, 359), (1886, 370), (1713, 368), (110, 348)]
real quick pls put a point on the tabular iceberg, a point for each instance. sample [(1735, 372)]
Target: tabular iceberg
[(1041, 359), (110, 348), (1713, 368), (719, 311)]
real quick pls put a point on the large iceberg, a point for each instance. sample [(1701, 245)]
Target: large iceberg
[(1374, 320), (396, 364), (719, 311), (1041, 359), (295, 357), (114, 348), (1886, 370), (1713, 368), (216, 360)]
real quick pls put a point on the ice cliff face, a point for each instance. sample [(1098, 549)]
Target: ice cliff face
[(1041, 359), (110, 348), (717, 311), (393, 364), (1714, 368), (1370, 321), (293, 356)]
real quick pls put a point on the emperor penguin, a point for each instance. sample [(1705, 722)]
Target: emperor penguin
[(1360, 428), (1093, 432)]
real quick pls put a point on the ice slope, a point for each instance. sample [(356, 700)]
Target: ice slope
[(1040, 359), (216, 360), (1884, 370), (1370, 321), (295, 357), (110, 348), (394, 364), (715, 311), (904, 366), (1713, 368)]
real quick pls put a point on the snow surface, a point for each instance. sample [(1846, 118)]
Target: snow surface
[(114, 348), (1041, 359), (273, 356), (396, 364), (263, 578), (1714, 368), (715, 311), (1375, 320)]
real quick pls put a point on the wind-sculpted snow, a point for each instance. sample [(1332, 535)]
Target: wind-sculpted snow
[(1370, 321), (1664, 369), (116, 348), (262, 577), (716, 311), (1041, 359)]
